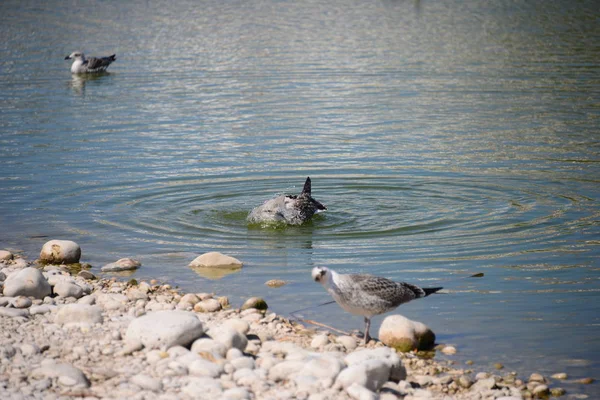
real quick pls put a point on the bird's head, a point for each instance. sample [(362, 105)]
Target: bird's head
[(74, 56), (319, 274)]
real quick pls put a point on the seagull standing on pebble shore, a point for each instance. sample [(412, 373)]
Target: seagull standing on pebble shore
[(81, 65), (367, 295)]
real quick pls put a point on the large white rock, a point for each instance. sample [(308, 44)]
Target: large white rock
[(123, 264), (60, 252), (404, 334), (215, 259), (27, 282), (78, 314), (164, 329)]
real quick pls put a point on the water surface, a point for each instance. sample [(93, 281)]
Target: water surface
[(445, 138)]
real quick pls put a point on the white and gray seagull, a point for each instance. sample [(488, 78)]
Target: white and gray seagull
[(288, 208), (367, 295), (82, 65)]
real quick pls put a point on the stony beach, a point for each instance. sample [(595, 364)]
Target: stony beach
[(66, 333)]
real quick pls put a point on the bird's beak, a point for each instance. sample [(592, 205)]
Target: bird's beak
[(67, 57)]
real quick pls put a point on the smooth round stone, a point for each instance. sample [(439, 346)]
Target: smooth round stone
[(27, 282), (41, 309), (123, 264), (241, 326), (68, 289), (237, 393), (348, 342), (147, 382), (404, 334), (319, 341), (255, 302), (465, 382), (541, 391), (205, 368), (233, 353), (86, 275), (449, 350), (557, 392), (60, 252), (67, 374), (535, 377), (275, 283), (78, 314), (214, 259), (5, 255), (371, 374), (560, 375), (164, 329), (243, 362), (13, 312), (228, 337), (208, 305), (21, 302), (189, 299), (29, 349), (210, 346)]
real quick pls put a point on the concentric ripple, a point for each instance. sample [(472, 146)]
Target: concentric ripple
[(422, 217)]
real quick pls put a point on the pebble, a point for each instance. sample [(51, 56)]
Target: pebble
[(319, 341), (13, 312), (21, 302), (164, 329), (275, 283), (255, 303), (147, 382), (78, 314), (5, 255), (66, 374), (122, 264), (585, 381), (449, 350), (560, 375), (68, 289), (229, 337), (208, 305)]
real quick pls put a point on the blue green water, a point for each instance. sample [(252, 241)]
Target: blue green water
[(446, 138)]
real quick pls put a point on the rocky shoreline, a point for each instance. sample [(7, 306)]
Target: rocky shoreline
[(67, 334)]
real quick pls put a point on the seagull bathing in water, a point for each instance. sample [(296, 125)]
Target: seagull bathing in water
[(82, 65), (367, 295), (288, 208)]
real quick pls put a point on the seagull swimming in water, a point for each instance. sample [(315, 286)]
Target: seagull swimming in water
[(288, 208), (82, 65), (367, 295)]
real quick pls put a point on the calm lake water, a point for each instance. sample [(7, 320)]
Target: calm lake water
[(446, 138)]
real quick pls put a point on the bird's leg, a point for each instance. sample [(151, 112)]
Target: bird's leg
[(367, 326)]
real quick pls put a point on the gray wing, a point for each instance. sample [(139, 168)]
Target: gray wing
[(98, 63), (393, 293)]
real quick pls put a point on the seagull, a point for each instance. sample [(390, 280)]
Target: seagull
[(288, 208), (81, 65), (367, 295)]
